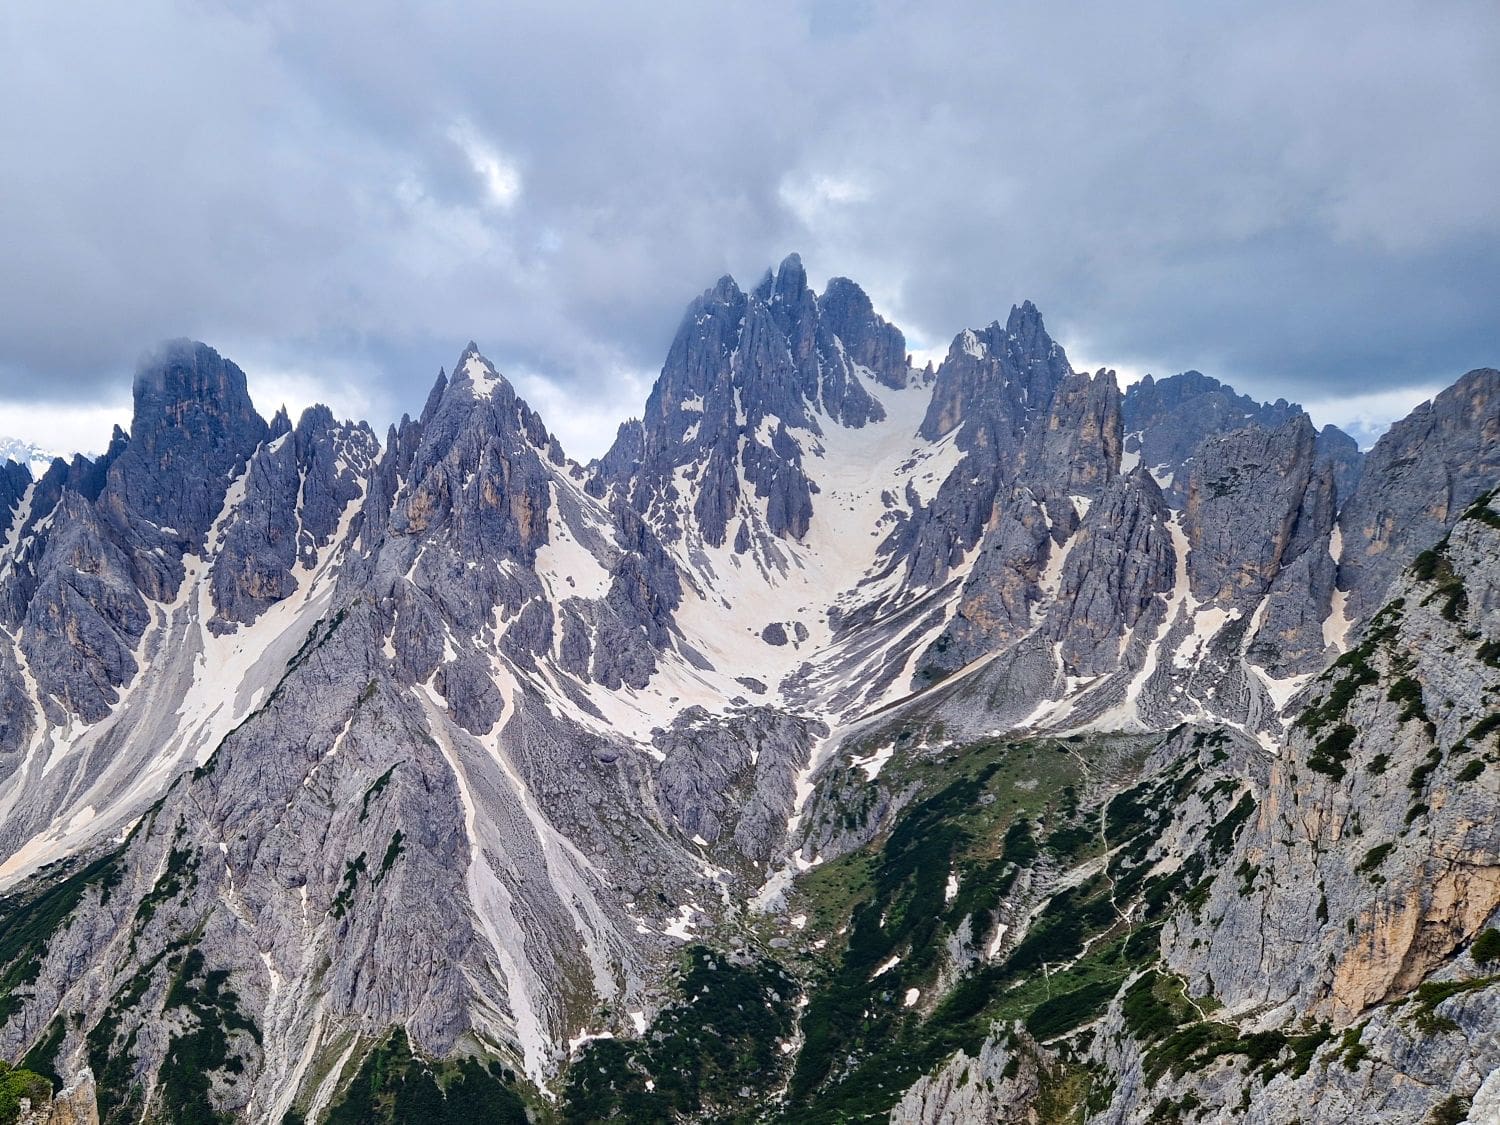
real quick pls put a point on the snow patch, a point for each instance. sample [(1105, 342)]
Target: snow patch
[(681, 929), (483, 379), (876, 761), (583, 1037), (994, 947)]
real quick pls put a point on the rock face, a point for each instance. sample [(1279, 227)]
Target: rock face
[(296, 489), (997, 1085), (1377, 843), (306, 735), (1118, 567), (194, 426), (734, 778), (74, 1105), (1425, 470), (744, 370), (1166, 420)]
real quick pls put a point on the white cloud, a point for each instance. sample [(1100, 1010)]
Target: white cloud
[(64, 428), (1238, 189), (500, 176), (585, 425), (346, 395), (1365, 417), (814, 199)]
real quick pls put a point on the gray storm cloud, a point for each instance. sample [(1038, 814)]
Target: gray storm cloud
[(1297, 198)]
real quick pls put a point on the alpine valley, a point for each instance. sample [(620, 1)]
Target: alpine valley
[(851, 742)]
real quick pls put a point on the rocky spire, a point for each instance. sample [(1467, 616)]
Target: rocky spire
[(745, 375), (194, 427), (869, 340), (1416, 481)]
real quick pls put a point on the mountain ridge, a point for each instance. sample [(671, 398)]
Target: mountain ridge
[(588, 713)]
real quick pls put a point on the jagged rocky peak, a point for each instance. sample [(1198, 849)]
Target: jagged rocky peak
[(621, 461), (194, 425), (1015, 408), (15, 480), (769, 350), (1415, 482), (1120, 564), (475, 462), (868, 339), (750, 382), (281, 423), (298, 489), (1342, 453), (1167, 419), (996, 377), (1245, 491)]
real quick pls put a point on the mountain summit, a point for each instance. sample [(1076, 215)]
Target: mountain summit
[(850, 740)]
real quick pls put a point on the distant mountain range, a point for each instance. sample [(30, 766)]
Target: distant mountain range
[(851, 741), (34, 457)]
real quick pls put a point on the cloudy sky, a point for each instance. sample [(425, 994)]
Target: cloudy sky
[(1298, 198)]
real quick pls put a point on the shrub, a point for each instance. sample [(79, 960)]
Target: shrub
[(1487, 946), (1375, 857)]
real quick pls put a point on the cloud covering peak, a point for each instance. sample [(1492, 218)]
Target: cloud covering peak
[(1297, 199)]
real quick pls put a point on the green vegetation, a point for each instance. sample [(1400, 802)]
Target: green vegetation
[(994, 809), (720, 1039), (1470, 772), (863, 1045), (1480, 510), (30, 918), (1350, 672), (392, 852), (1417, 783), (1159, 1013), (1067, 1092), (373, 793), (1247, 873), (1432, 993), (212, 1014), (1426, 566), (1332, 752), (111, 1057), (353, 869), (1408, 692), (1486, 947), (42, 1058), (18, 1084), (1434, 566), (1374, 858), (1351, 1048), (1483, 729), (903, 918), (395, 1086), (180, 874)]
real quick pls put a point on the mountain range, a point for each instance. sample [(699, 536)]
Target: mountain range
[(34, 457), (851, 741)]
